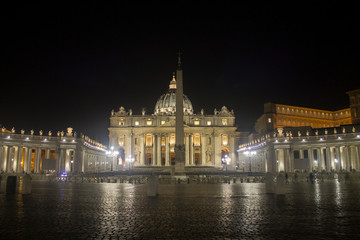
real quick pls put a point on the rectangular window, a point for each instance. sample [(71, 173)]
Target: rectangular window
[(162, 122), (149, 123), (137, 123), (209, 123), (197, 122), (224, 121), (269, 120), (148, 140), (306, 154), (197, 140), (225, 140), (296, 154)]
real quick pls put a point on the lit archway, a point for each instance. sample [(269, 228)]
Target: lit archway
[(224, 152)]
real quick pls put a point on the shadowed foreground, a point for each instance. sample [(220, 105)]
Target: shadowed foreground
[(58, 210)]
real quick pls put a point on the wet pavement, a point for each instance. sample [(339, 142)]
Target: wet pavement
[(58, 210)]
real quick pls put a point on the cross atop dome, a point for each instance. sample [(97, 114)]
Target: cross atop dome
[(173, 82)]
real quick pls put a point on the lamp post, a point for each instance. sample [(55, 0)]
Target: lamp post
[(112, 154), (226, 160), (130, 160), (250, 154)]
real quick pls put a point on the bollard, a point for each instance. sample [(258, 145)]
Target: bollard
[(26, 184), (11, 185), (234, 180), (153, 186), (188, 180), (280, 184), (269, 184)]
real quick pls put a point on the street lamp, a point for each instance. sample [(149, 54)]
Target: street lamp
[(112, 154), (130, 160), (250, 154), (226, 160)]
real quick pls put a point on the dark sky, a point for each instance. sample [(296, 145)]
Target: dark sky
[(70, 64)]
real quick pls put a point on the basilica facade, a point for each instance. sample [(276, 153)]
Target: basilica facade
[(148, 139)]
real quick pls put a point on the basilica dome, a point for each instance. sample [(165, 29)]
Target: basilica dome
[(166, 104)]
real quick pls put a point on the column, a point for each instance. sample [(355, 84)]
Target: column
[(29, 157), (75, 163), (291, 160), (83, 161), (301, 153), (57, 157), (191, 150), (286, 159), (328, 160), (281, 159), (2, 160), (142, 149), (62, 160), (187, 150), (128, 146), (347, 158), (167, 150), (343, 158), (153, 162), (217, 151), (271, 159), (47, 154), (15, 159), (321, 160), (277, 161), (232, 152), (311, 159), (19, 159), (8, 160), (356, 158), (26, 160), (338, 165), (37, 160), (158, 150), (203, 150)]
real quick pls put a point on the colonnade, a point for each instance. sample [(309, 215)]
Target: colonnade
[(28, 159), (200, 149), (328, 158), (20, 153)]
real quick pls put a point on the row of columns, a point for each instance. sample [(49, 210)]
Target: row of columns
[(18, 159), (157, 152), (328, 158)]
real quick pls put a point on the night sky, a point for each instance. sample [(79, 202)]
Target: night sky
[(70, 64)]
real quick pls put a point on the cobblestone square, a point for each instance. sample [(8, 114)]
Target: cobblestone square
[(59, 210)]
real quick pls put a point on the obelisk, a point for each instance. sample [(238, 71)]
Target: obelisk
[(179, 130)]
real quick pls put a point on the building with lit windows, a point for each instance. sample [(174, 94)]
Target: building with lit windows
[(149, 138), (290, 138), (47, 153), (279, 115)]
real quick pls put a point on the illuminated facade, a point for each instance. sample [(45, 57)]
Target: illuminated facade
[(354, 97), (150, 138), (290, 138), (279, 115), (64, 152), (292, 149)]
